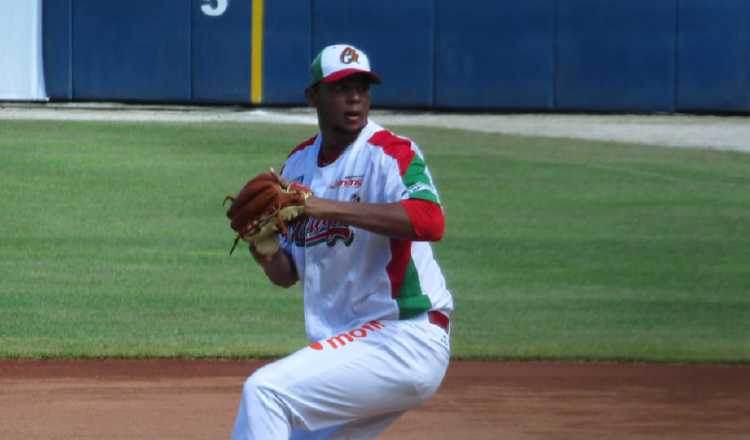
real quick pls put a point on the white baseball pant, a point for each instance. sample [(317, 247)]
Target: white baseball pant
[(350, 386)]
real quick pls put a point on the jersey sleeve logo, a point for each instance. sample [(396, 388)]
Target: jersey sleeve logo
[(420, 187), (418, 181)]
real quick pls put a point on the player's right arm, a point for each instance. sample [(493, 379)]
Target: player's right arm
[(278, 267)]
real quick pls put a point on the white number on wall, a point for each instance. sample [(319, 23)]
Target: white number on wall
[(214, 8)]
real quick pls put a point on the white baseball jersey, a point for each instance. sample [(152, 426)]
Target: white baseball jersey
[(352, 276)]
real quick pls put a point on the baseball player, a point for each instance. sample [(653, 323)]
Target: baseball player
[(375, 301)]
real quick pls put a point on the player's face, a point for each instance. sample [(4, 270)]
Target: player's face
[(342, 106)]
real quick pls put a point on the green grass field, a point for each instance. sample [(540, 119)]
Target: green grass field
[(113, 242)]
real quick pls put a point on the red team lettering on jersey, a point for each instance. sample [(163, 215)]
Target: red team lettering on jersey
[(344, 338)]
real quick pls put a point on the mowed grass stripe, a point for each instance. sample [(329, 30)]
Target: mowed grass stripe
[(114, 243)]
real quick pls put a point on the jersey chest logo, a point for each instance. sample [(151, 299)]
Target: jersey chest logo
[(348, 182), (315, 232)]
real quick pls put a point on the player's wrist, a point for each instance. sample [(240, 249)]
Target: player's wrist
[(316, 207), (262, 258)]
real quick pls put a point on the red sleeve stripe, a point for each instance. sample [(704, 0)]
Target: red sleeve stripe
[(396, 268), (396, 147), (427, 219)]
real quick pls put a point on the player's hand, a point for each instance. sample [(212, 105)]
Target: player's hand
[(263, 208)]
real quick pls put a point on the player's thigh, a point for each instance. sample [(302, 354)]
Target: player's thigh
[(371, 371)]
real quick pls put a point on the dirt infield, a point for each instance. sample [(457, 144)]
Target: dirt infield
[(175, 399)]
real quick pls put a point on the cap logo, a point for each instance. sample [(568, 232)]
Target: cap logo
[(349, 56)]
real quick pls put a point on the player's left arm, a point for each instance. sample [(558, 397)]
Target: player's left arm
[(409, 219), (414, 212)]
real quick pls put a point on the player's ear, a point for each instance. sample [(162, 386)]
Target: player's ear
[(311, 95)]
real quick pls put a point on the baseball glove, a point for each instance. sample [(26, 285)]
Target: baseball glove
[(263, 208)]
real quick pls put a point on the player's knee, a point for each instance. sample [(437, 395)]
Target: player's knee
[(264, 400), (259, 386), (253, 385)]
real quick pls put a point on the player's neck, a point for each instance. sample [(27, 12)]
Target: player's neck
[(334, 143), (329, 153)]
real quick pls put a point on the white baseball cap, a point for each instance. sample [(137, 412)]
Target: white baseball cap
[(339, 61)]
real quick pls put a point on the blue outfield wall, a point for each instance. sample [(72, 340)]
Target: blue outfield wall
[(57, 48), (288, 51), (545, 55), (616, 55), (146, 50), (713, 61), (134, 50), (220, 52), (513, 68)]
